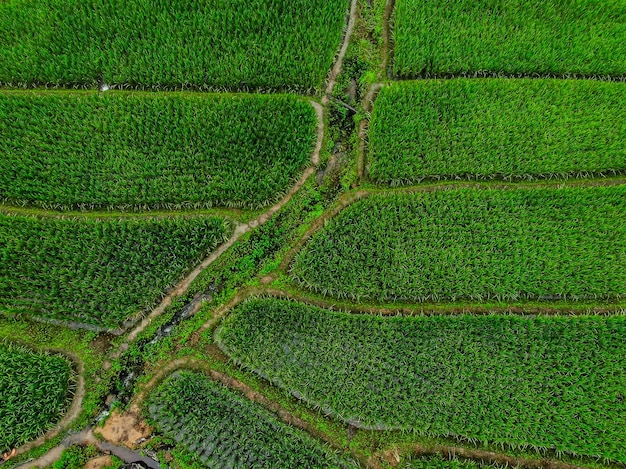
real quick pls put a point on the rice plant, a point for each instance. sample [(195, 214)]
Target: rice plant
[(474, 244), (168, 44), (437, 462), (34, 393), (125, 150), (548, 37), (497, 128), (225, 430), (514, 381), (97, 272)]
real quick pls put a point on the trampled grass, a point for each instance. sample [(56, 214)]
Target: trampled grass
[(476, 244), (34, 393), (584, 37), (226, 430), (501, 128), (97, 272), (78, 150), (230, 44), (533, 382)]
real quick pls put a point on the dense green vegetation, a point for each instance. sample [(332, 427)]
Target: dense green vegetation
[(34, 393), (437, 462), (497, 128), (231, 44), (535, 382), (97, 271), (584, 37), (151, 150), (226, 430), (478, 244)]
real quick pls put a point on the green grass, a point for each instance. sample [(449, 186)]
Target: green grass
[(510, 381), (552, 37), (138, 150), (225, 430), (34, 393), (229, 44), (437, 462), (497, 128), (477, 244), (97, 272)]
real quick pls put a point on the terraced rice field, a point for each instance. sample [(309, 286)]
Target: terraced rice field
[(547, 37), (34, 393), (497, 128), (226, 44), (77, 150), (225, 430), (477, 244), (525, 382), (99, 272)]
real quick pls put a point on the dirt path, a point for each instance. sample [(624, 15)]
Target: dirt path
[(393, 457), (72, 413), (336, 70)]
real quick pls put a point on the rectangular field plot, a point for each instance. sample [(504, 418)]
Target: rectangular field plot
[(231, 44), (520, 128), (34, 393), (531, 382), (125, 150), (583, 37), (475, 244), (97, 272), (224, 429)]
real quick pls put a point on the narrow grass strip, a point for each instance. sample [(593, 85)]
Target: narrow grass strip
[(170, 44), (497, 128), (476, 244), (225, 430), (522, 382), (144, 150), (547, 37), (97, 272)]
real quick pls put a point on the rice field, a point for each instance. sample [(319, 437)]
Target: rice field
[(509, 381), (472, 244), (226, 430), (151, 150), (546, 37), (497, 128), (166, 44), (98, 272), (34, 393), (437, 462)]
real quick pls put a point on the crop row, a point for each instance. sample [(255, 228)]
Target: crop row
[(584, 37), (476, 244), (533, 382), (34, 393), (497, 128), (225, 430), (231, 44), (93, 271), (77, 150), (437, 462)]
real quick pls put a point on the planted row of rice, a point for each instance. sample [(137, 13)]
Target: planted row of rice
[(514, 381), (34, 393), (128, 150), (497, 128), (437, 462), (225, 430), (554, 37), (472, 244), (229, 44), (94, 271)]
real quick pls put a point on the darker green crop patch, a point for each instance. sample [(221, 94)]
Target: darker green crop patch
[(525, 382)]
